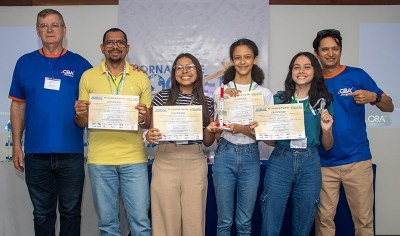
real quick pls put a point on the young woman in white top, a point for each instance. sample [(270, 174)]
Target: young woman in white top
[(237, 160)]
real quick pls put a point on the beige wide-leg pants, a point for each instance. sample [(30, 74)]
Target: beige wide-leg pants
[(179, 190)]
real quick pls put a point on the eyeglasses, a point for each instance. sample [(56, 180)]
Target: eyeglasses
[(45, 27), (110, 44), (328, 31), (188, 67)]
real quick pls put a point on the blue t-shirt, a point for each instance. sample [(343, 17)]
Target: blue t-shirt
[(49, 114), (312, 123), (349, 129)]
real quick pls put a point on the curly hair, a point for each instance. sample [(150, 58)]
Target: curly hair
[(257, 73)]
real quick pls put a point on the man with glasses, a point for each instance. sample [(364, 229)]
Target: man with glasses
[(116, 158), (43, 92), (349, 161)]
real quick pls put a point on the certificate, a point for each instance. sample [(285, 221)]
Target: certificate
[(114, 112), (278, 122), (239, 109), (179, 123)]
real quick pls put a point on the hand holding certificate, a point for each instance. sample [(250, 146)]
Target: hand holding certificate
[(278, 122), (239, 109), (178, 123), (115, 112)]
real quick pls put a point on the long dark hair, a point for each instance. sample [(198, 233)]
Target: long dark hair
[(318, 88), (257, 73), (198, 92)]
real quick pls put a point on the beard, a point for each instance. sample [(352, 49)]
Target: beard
[(115, 59)]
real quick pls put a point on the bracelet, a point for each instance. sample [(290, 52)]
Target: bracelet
[(143, 122)]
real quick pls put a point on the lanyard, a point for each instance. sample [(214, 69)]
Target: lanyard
[(251, 84), (322, 105), (118, 88), (48, 62), (307, 103)]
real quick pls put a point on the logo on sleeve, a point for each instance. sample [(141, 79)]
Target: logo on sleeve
[(69, 73), (344, 91)]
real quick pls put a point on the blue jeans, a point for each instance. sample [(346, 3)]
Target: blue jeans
[(296, 172), (236, 167), (50, 177), (133, 183)]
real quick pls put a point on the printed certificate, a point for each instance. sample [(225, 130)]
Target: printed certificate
[(115, 112), (277, 122), (179, 123), (239, 109)]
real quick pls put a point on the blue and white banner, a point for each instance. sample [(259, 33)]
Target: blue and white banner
[(159, 30)]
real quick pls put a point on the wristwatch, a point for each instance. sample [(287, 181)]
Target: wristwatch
[(377, 99)]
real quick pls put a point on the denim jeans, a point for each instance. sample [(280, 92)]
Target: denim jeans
[(50, 177), (131, 180), (236, 167), (296, 172)]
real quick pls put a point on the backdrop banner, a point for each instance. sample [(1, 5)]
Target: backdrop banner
[(159, 30)]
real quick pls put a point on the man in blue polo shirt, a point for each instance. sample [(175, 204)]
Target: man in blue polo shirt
[(43, 92), (349, 161)]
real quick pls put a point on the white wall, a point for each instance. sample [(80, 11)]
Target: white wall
[(85, 25), (292, 29)]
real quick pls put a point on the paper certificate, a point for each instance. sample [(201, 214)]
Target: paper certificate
[(115, 112), (239, 109), (179, 122), (277, 122)]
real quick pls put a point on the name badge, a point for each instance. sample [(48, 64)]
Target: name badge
[(52, 84), (298, 143)]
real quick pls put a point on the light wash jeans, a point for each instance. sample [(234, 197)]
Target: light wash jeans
[(236, 167), (296, 172), (132, 182)]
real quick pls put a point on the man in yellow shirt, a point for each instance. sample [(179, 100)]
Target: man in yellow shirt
[(116, 158)]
